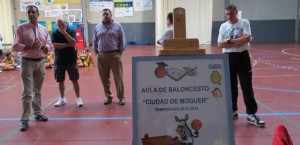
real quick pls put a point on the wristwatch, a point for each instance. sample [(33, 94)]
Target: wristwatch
[(228, 40)]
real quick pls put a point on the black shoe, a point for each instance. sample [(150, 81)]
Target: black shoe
[(41, 118), (23, 126), (235, 115), (107, 101), (253, 119)]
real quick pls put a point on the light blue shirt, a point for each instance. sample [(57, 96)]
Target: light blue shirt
[(168, 34)]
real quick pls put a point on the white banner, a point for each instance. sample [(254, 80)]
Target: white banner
[(120, 12), (94, 6), (106, 5), (182, 99), (55, 10), (129, 12), (142, 5), (38, 3)]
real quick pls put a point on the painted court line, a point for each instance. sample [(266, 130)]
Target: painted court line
[(274, 111), (295, 58), (130, 118), (284, 52), (8, 87), (11, 78), (74, 119), (44, 107), (275, 89), (271, 76)]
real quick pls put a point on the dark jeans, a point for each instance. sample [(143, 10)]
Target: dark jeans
[(240, 67)]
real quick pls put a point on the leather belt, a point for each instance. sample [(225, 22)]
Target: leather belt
[(111, 51), (32, 59)]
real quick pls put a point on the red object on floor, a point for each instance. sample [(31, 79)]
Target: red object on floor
[(80, 40), (281, 136)]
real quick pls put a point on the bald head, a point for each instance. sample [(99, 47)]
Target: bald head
[(59, 20), (61, 24)]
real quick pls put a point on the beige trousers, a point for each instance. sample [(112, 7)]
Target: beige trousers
[(111, 61), (32, 73)]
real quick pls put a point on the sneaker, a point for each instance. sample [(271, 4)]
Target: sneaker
[(253, 119), (41, 118), (122, 101), (107, 101), (60, 102), (235, 115), (79, 102), (23, 126)]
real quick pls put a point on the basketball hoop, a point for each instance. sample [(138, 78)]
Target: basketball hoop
[(71, 23), (71, 19), (71, 15)]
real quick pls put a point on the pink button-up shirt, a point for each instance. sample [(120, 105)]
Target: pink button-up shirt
[(26, 34)]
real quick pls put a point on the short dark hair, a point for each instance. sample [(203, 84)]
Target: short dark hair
[(231, 7), (7, 54), (170, 17), (107, 10), (32, 6)]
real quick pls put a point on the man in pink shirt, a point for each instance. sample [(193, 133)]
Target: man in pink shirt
[(33, 41)]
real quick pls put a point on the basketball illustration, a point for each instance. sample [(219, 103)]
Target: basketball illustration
[(196, 124)]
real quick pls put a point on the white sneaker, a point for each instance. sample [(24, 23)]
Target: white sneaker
[(122, 101), (79, 102), (60, 102)]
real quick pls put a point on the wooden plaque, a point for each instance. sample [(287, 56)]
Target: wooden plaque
[(179, 23), (180, 43)]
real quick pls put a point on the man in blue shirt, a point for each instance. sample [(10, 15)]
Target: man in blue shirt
[(109, 43)]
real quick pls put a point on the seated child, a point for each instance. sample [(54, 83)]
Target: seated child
[(79, 59), (8, 63), (85, 59), (49, 60)]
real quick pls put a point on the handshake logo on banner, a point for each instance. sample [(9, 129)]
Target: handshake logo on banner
[(174, 73)]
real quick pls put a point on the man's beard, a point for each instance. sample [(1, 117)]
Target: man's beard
[(107, 20)]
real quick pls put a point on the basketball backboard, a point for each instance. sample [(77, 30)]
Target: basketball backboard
[(72, 15)]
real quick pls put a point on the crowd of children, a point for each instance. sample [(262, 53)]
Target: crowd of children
[(84, 60)]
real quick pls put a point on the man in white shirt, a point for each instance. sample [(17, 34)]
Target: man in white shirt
[(234, 38), (169, 31)]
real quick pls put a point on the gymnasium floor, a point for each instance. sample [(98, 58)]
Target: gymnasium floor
[(276, 89)]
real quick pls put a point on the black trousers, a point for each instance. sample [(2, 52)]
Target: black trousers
[(240, 67)]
